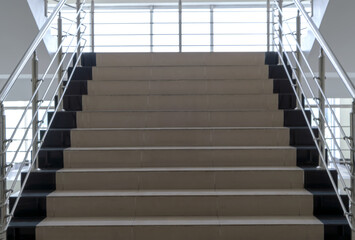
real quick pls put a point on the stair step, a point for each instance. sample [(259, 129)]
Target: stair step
[(178, 59), (179, 203), (181, 102), (249, 86), (177, 228), (124, 137), (180, 72), (180, 178), (117, 119), (179, 157)]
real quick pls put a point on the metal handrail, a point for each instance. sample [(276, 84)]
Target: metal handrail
[(291, 54), (28, 54), (35, 103), (328, 51)]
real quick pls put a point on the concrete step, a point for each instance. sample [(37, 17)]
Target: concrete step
[(180, 178), (177, 228), (181, 72), (296, 202), (179, 157), (180, 102), (125, 137), (178, 59), (134, 87), (119, 119)]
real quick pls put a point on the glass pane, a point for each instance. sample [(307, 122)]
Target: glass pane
[(123, 17), (165, 40), (198, 40), (160, 16), (112, 29), (196, 28), (122, 40), (165, 28), (225, 28), (196, 16)]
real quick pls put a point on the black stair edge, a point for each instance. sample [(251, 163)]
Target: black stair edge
[(278, 71), (40, 180), (318, 179), (295, 118), (88, 59), (326, 203), (51, 158), (80, 73), (271, 58), (32, 204), (73, 103), (78, 87), (23, 228), (335, 228), (62, 119), (307, 156), (56, 138), (283, 86), (287, 101), (301, 136)]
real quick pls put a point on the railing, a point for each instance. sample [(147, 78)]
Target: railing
[(47, 86), (305, 80)]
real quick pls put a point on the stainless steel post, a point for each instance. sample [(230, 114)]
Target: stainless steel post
[(352, 157), (280, 27), (78, 34), (46, 8), (35, 108), (180, 25), (321, 79), (268, 25), (212, 28), (273, 28), (3, 189), (92, 26), (151, 28), (298, 53), (60, 57)]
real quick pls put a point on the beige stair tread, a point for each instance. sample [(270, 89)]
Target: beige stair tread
[(182, 169), (180, 128), (180, 148), (166, 221)]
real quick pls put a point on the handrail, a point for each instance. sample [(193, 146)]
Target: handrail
[(323, 43), (291, 55), (20, 66), (64, 58)]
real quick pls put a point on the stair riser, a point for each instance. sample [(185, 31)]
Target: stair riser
[(180, 102), (179, 73), (179, 180), (180, 137), (178, 158), (180, 87), (179, 206), (161, 232), (178, 59), (179, 119)]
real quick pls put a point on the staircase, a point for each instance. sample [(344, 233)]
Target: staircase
[(172, 146)]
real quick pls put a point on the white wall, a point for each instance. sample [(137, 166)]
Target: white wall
[(20, 21), (336, 20)]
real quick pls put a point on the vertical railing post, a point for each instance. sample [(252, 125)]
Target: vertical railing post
[(3, 189), (212, 28), (92, 14), (35, 108), (321, 81), (151, 28), (180, 25), (46, 8), (60, 57), (268, 25), (352, 158), (280, 27), (298, 54), (78, 34)]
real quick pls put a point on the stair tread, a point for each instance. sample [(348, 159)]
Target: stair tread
[(189, 220), (178, 128), (180, 169), (176, 148), (167, 193)]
